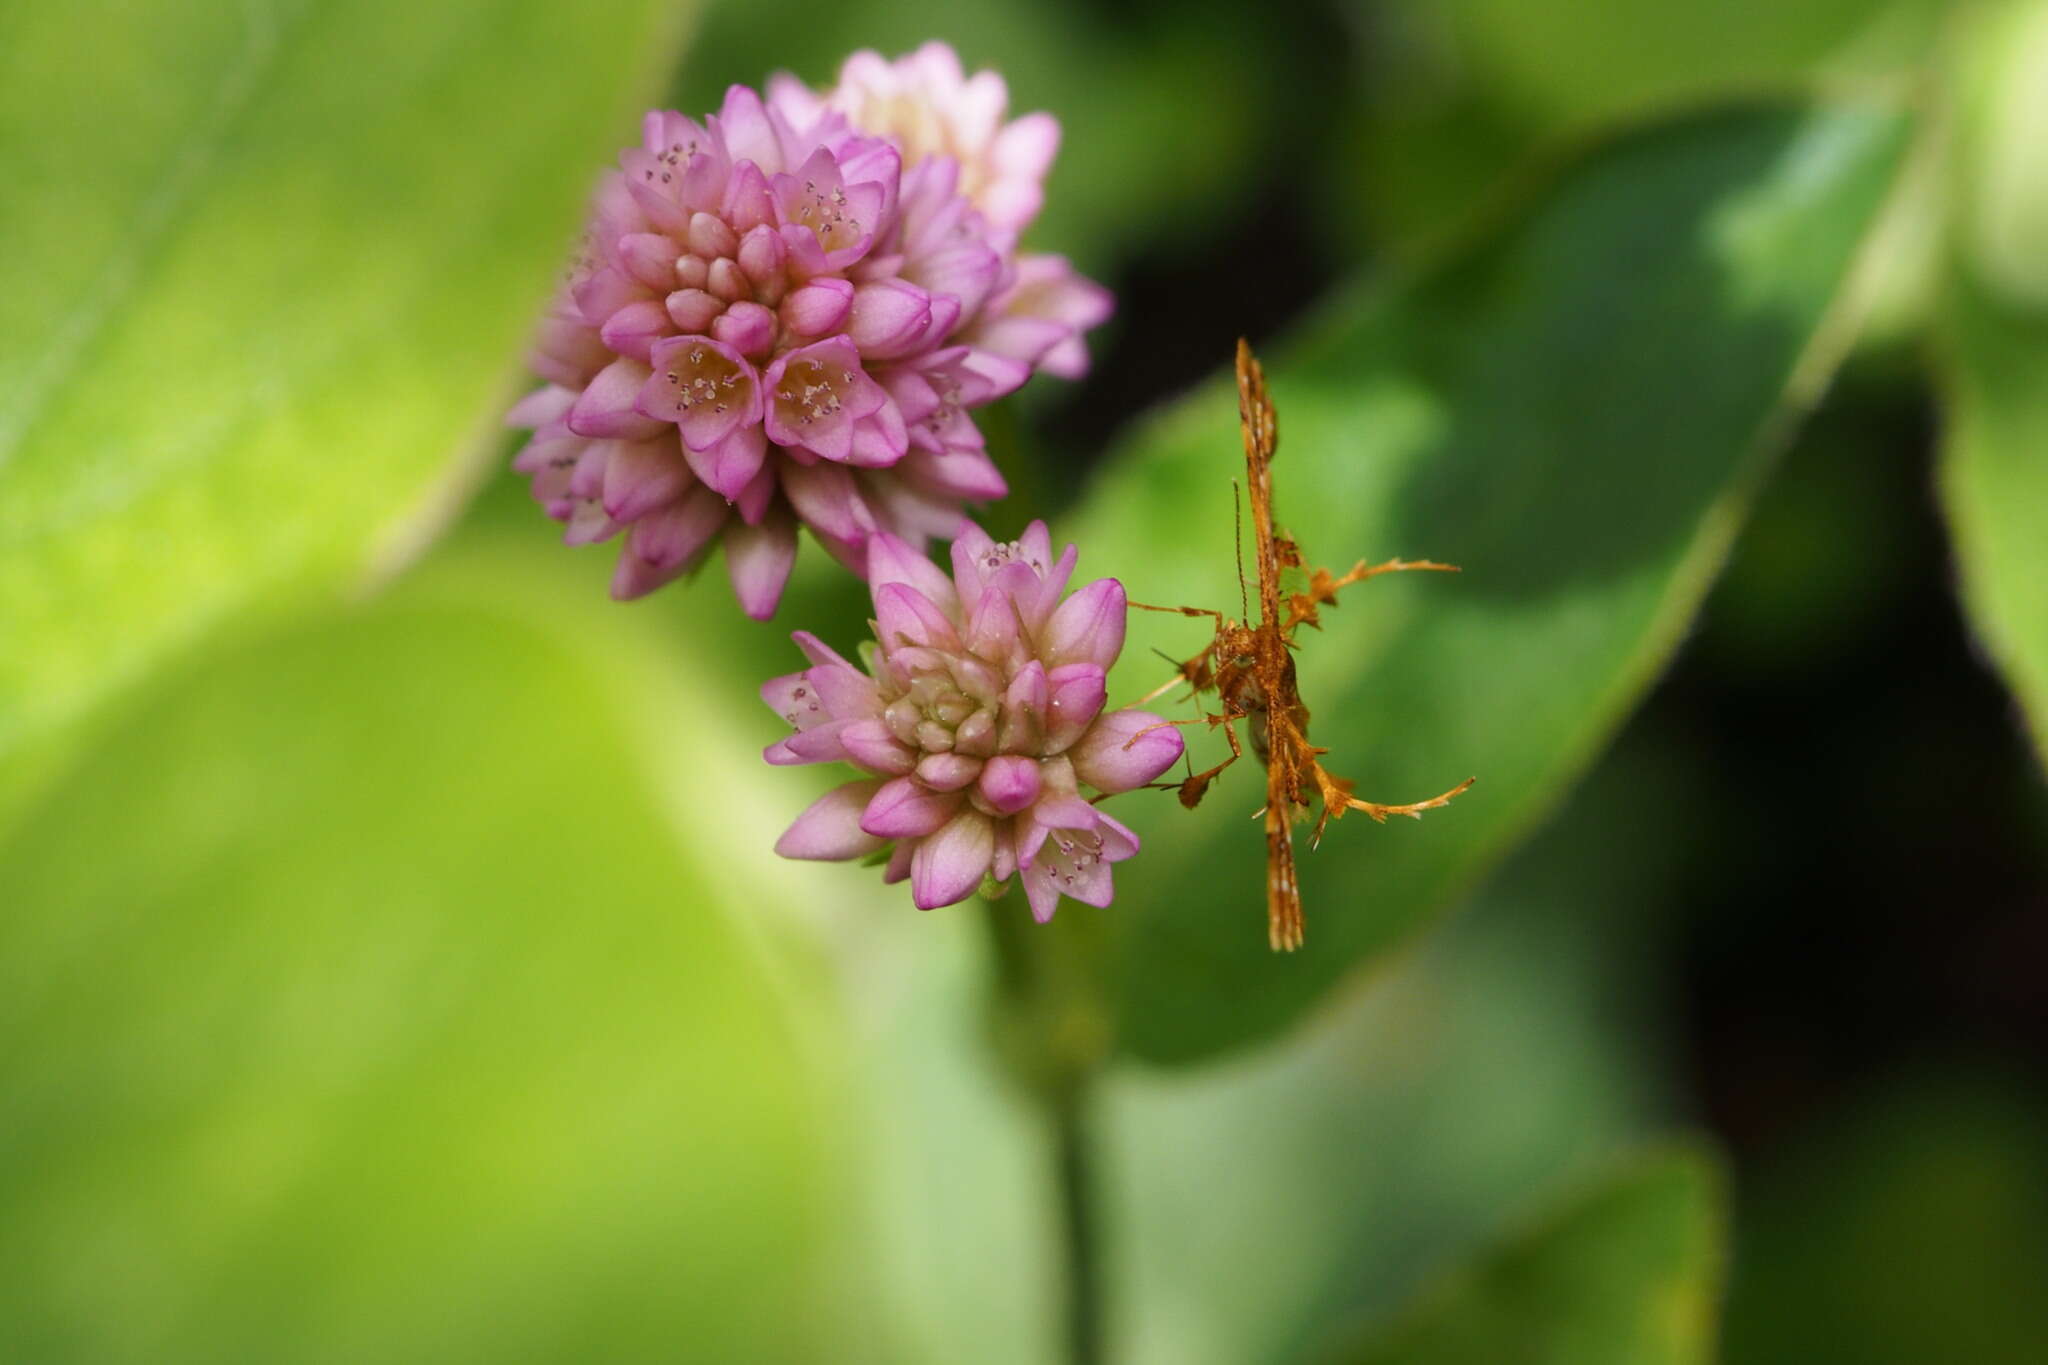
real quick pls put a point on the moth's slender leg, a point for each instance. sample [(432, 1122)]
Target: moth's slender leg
[(1186, 675), (1181, 611), (1362, 571), (1302, 606), (1413, 810), (1201, 780), (1168, 724)]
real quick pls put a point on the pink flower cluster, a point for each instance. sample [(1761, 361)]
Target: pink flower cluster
[(784, 315), (980, 719)]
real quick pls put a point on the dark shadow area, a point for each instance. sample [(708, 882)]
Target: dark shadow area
[(1869, 884)]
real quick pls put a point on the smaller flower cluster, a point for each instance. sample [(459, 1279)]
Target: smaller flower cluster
[(980, 720)]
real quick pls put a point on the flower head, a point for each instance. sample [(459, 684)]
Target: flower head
[(980, 719), (777, 320), (929, 107)]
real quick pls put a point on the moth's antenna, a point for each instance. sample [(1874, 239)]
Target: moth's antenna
[(1244, 602)]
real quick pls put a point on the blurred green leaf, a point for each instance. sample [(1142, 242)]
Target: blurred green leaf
[(268, 266), (1910, 1226), (357, 1002), (1465, 92), (1995, 347), (1628, 1274), (1574, 413), (1509, 1058), (1995, 482)]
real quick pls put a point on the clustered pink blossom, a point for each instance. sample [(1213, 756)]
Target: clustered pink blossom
[(980, 719), (785, 314)]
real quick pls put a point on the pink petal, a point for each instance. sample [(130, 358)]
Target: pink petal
[(1036, 544), (829, 831), (1009, 782), (902, 613), (544, 405), (792, 697), (966, 474), (650, 258), (1088, 627), (1022, 340), (758, 496), (748, 204), (731, 465), (1040, 891), (818, 307), (568, 351), (1118, 842), (1091, 885), (635, 576), (948, 772), (604, 292), (747, 327), (743, 125), (870, 745), (724, 280), (710, 237), (827, 499), (818, 744), (969, 552), (968, 270), (1024, 708), (703, 181), (1001, 616), (844, 691), (761, 255), (879, 439), (553, 448), (816, 650), (1003, 865), (904, 808), (587, 524), (1078, 692), (693, 310), (1123, 751), (671, 536), (892, 560), (899, 863), (758, 560), (887, 316), (605, 407), (634, 328), (950, 864), (641, 476), (1022, 154)]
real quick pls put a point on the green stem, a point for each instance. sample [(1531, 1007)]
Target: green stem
[(1048, 1029), (1076, 1175)]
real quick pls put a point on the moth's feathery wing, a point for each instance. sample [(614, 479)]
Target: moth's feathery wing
[(1261, 438), (1283, 780)]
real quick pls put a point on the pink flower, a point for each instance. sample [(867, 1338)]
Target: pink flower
[(980, 719), (928, 108), (773, 323)]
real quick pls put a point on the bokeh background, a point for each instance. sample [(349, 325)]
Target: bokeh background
[(392, 965)]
